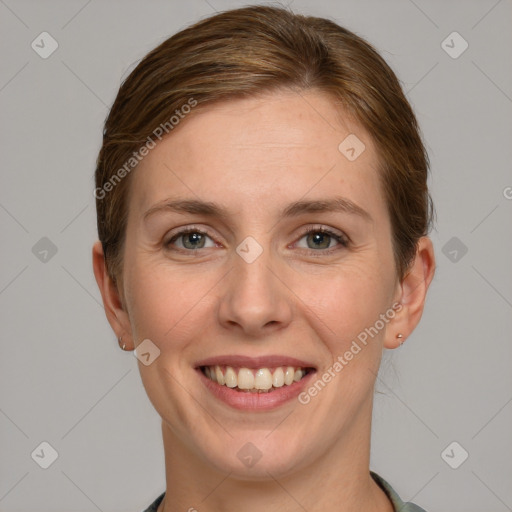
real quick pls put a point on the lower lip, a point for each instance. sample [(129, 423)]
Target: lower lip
[(255, 401)]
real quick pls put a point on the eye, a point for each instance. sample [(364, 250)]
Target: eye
[(191, 239), (323, 240), (318, 240)]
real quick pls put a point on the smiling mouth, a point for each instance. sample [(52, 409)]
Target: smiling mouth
[(261, 380)]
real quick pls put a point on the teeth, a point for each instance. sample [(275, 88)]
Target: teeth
[(230, 378), (278, 378), (219, 375), (261, 380), (289, 375), (245, 379)]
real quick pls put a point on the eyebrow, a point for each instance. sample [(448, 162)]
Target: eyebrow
[(210, 209)]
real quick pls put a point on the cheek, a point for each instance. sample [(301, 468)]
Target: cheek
[(347, 302), (164, 302), (148, 301)]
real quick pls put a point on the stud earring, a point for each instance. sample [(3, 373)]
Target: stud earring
[(120, 340)]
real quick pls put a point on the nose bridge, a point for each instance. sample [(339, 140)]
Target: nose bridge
[(254, 298), (252, 278), (252, 266)]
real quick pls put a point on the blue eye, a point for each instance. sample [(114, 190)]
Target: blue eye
[(192, 239), (321, 239), (318, 240)]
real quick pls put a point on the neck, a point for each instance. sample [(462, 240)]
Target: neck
[(337, 481)]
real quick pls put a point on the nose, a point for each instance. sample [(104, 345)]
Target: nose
[(254, 299)]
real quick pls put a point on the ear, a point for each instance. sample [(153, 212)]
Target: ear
[(113, 303), (411, 294)]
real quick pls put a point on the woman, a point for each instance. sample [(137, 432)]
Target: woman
[(263, 214)]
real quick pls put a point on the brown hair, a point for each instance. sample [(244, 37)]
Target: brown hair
[(245, 52)]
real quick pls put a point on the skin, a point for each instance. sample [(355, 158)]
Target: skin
[(295, 299)]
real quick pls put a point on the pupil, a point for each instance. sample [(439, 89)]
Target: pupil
[(194, 237), (318, 238)]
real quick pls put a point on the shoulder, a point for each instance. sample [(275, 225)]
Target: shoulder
[(397, 502), (154, 506)]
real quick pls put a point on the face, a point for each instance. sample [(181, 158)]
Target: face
[(277, 254)]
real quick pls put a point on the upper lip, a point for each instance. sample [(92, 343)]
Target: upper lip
[(270, 361)]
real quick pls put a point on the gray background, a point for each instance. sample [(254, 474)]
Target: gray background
[(63, 378)]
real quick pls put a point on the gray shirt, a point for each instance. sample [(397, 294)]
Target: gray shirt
[(398, 504)]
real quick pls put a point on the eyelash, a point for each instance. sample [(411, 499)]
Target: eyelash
[(341, 239)]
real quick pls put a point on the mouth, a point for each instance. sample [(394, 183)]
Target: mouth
[(254, 384), (260, 380)]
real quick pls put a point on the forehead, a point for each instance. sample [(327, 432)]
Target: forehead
[(270, 150)]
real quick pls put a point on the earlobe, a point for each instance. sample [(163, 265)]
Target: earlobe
[(412, 295), (116, 314)]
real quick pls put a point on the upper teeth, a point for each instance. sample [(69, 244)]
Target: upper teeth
[(262, 379)]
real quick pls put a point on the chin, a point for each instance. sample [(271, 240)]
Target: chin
[(257, 456)]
